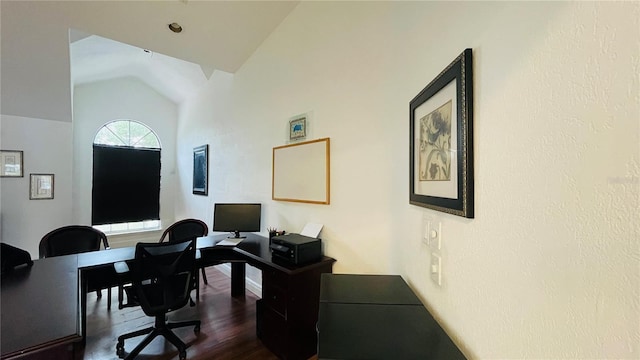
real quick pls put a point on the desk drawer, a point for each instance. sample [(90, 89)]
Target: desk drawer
[(273, 332), (276, 278), (275, 298)]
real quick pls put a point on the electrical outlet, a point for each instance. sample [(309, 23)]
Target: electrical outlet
[(436, 269)]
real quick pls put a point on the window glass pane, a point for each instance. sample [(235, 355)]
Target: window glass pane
[(148, 141), (137, 131), (120, 129), (103, 228), (136, 226), (106, 137), (119, 227), (152, 224), (127, 133)]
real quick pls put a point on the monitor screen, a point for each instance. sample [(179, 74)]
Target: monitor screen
[(236, 218)]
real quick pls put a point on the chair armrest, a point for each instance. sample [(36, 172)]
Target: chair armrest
[(121, 267)]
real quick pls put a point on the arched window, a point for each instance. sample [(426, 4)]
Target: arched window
[(126, 178)]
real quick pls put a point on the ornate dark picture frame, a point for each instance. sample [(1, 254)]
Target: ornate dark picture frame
[(441, 141), (201, 170)]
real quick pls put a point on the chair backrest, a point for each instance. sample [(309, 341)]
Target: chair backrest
[(184, 230), (13, 257), (72, 239), (162, 275)]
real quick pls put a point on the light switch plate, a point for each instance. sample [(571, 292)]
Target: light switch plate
[(436, 269), (434, 233)]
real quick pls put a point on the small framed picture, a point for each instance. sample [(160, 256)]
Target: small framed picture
[(11, 163), (298, 128), (200, 170), (41, 186)]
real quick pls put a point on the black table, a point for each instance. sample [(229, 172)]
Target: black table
[(44, 307), (377, 317), (40, 308)]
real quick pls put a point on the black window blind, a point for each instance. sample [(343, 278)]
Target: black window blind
[(126, 185)]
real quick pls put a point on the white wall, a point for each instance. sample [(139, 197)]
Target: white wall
[(46, 147), (550, 266), (98, 103)]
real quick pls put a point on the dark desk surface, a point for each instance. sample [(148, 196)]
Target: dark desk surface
[(377, 317), (367, 289), (40, 306), (254, 249)]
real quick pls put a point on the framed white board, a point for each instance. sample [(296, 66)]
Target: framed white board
[(300, 172)]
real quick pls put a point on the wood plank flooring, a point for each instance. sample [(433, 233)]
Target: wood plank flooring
[(228, 330)]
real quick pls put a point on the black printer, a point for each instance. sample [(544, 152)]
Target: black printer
[(295, 249)]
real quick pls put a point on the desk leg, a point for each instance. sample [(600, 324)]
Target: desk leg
[(83, 306), (238, 274)]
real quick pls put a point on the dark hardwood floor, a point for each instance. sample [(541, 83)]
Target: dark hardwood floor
[(228, 328)]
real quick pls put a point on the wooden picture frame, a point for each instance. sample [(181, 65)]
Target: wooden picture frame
[(441, 141), (41, 186), (201, 170), (11, 163), (300, 172)]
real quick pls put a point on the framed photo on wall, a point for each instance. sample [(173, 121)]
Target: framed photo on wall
[(41, 186), (11, 163), (298, 128), (441, 141), (200, 170)]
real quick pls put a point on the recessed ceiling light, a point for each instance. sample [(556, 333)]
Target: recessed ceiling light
[(175, 27)]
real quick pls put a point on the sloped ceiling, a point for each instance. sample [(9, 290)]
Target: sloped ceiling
[(35, 55)]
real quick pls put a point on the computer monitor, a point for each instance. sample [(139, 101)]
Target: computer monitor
[(236, 218)]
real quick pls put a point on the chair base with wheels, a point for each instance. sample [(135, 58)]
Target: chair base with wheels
[(162, 327)]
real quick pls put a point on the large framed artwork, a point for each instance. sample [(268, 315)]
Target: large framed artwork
[(200, 170), (441, 141)]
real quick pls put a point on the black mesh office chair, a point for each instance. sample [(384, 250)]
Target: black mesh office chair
[(182, 230), (75, 239), (162, 278), (189, 229)]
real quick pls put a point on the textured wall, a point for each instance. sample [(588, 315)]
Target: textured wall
[(46, 147), (550, 266)]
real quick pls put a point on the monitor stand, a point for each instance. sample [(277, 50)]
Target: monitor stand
[(236, 236)]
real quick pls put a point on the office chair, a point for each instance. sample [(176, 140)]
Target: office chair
[(161, 281), (179, 231), (188, 229), (75, 239), (13, 257)]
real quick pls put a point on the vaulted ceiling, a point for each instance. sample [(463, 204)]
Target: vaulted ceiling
[(35, 67)]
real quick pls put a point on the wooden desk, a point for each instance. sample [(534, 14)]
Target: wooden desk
[(40, 308), (286, 315), (377, 317)]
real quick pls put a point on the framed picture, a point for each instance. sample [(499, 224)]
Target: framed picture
[(200, 170), (11, 163), (41, 186), (298, 128), (441, 141)]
